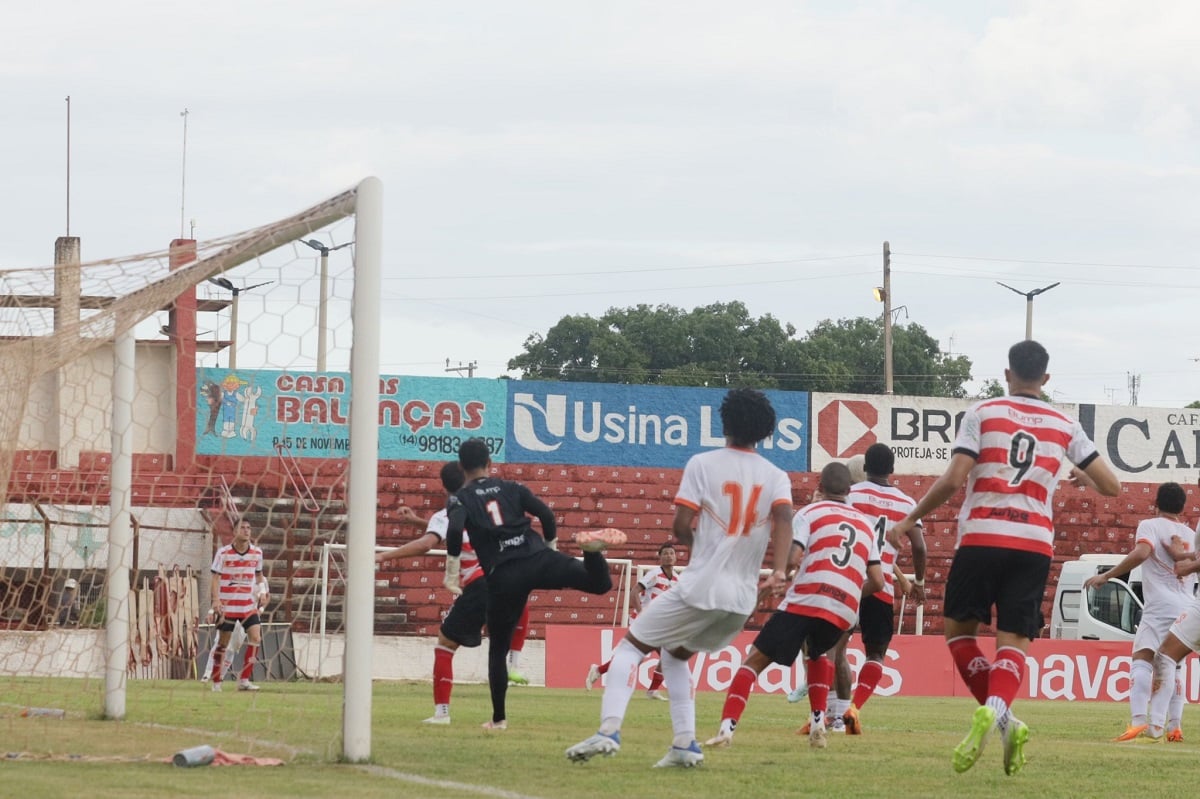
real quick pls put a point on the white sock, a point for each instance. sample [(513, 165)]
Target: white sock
[(441, 710), (677, 677), (1000, 707), (619, 688), (1141, 679), (1178, 700), (838, 707), (514, 659), (1160, 700)]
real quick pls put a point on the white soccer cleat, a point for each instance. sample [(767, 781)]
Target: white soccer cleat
[(441, 720), (598, 744), (837, 724), (798, 693), (593, 676), (656, 694), (599, 540), (722, 739), (817, 738), (678, 757), (216, 688), (246, 685), (495, 726)]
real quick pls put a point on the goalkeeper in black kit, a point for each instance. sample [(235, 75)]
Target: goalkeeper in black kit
[(496, 515)]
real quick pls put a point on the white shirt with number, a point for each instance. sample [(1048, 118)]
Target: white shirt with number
[(733, 492)]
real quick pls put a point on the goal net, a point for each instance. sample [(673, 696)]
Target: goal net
[(147, 404)]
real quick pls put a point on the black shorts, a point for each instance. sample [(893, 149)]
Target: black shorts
[(875, 619), (227, 624), (1011, 579), (784, 634), (464, 623)]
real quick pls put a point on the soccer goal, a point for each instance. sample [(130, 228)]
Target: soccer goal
[(152, 401)]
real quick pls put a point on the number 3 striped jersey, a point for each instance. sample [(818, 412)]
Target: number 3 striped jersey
[(1019, 445), (733, 492), (838, 544)]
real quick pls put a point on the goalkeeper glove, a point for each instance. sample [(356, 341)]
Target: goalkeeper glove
[(451, 580)]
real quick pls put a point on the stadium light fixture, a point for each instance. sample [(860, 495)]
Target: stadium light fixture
[(1029, 295), (322, 304)]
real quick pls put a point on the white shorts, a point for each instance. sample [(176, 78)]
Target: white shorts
[(1187, 626), (1152, 629), (668, 622)]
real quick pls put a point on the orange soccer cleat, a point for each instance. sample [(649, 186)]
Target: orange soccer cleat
[(1131, 732)]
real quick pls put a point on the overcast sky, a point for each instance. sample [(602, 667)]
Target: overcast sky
[(549, 158)]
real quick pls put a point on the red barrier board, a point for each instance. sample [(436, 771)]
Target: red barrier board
[(915, 665)]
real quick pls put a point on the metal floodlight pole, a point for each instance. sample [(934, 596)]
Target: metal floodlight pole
[(887, 319), (323, 300), (1029, 295)]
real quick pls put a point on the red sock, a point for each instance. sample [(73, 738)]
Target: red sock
[(517, 643), (739, 692), (443, 674), (218, 663), (603, 668), (248, 665), (972, 665), (656, 679), (868, 678), (820, 677), (1008, 670)]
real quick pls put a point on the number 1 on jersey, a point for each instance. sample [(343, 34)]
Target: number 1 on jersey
[(742, 516)]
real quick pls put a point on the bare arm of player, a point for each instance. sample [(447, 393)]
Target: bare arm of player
[(942, 489), (1136, 557), (781, 548), (418, 546), (214, 605), (902, 581), (681, 528), (874, 581), (1098, 476)]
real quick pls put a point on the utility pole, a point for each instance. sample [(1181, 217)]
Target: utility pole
[(887, 318), (468, 368)]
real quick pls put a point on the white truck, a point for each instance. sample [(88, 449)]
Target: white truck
[(1109, 613)]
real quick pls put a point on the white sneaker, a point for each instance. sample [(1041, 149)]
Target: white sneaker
[(216, 688), (599, 540), (723, 738), (495, 726), (246, 685), (837, 724), (677, 757), (656, 694), (598, 744), (798, 693), (593, 676), (437, 720)]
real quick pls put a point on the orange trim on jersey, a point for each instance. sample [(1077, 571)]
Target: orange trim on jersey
[(687, 503)]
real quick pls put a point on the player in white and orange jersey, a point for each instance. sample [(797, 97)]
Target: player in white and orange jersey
[(652, 584), (1166, 596), (738, 502), (839, 564), (1008, 453), (239, 591)]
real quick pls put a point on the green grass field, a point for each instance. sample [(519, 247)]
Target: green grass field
[(905, 751)]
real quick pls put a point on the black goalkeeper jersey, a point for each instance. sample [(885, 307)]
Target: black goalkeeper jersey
[(495, 513)]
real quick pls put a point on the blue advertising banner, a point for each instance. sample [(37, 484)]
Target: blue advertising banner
[(621, 425), (250, 412)]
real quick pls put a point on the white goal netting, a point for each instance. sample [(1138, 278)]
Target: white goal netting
[(149, 402)]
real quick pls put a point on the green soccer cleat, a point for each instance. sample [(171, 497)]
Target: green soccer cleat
[(967, 752), (517, 678), (1014, 746)]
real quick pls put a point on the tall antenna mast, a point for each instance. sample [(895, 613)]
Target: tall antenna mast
[(68, 165), (183, 178)]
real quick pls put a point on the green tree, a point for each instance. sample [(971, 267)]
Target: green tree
[(722, 345)]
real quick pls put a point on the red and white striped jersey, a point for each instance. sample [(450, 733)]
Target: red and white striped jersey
[(238, 572), (883, 505), (733, 492), (468, 563), (838, 545), (1019, 445), (655, 583)]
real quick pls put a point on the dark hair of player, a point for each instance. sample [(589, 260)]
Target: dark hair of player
[(879, 460), (452, 476), (474, 454), (1028, 360), (747, 416), (1171, 498)]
